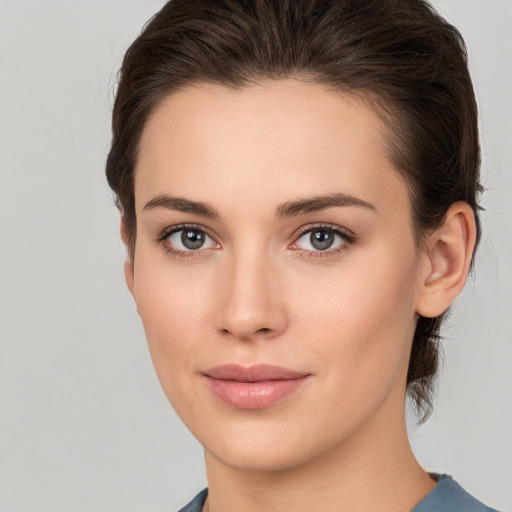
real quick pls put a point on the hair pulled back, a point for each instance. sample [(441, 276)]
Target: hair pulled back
[(399, 55)]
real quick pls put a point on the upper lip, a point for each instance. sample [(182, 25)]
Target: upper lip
[(255, 373)]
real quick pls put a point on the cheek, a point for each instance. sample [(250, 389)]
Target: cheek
[(173, 307), (353, 322), (363, 319)]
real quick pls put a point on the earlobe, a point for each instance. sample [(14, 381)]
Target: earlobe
[(447, 260)]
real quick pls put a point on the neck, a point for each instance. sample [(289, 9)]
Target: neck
[(373, 470)]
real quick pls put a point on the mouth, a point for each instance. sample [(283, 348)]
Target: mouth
[(254, 387)]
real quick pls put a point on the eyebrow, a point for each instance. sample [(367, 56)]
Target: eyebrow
[(288, 209), (182, 205), (319, 203)]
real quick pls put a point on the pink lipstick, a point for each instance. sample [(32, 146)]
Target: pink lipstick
[(254, 387)]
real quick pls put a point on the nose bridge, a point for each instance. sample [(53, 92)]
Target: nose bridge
[(250, 303)]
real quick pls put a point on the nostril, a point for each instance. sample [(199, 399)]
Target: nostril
[(246, 335)]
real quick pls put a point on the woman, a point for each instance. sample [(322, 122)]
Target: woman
[(298, 183)]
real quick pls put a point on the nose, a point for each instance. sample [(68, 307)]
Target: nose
[(250, 299)]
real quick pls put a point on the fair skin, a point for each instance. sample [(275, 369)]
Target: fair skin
[(257, 289)]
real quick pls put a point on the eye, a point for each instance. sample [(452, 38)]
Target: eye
[(187, 239), (322, 239)]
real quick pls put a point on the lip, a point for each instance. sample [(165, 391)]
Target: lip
[(254, 387)]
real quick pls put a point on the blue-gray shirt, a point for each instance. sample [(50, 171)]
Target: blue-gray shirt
[(446, 496)]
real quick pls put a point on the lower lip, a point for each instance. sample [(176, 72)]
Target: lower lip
[(254, 395)]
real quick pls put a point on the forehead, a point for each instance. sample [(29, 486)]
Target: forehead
[(276, 139)]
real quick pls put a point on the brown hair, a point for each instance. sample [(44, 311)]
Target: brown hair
[(398, 54)]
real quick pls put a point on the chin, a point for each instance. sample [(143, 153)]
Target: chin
[(262, 450), (258, 460)]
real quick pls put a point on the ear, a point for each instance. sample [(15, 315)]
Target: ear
[(129, 275), (447, 261), (128, 264)]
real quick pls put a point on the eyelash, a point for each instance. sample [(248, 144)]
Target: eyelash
[(163, 239), (348, 239)]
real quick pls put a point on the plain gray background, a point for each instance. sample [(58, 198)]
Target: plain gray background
[(84, 425)]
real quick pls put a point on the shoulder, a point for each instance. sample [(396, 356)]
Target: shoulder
[(196, 505), (449, 496)]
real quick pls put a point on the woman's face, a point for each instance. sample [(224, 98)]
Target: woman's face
[(272, 229)]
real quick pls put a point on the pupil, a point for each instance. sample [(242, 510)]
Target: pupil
[(321, 240), (192, 239)]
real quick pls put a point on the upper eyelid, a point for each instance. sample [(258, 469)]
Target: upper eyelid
[(164, 236), (165, 233), (332, 227)]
